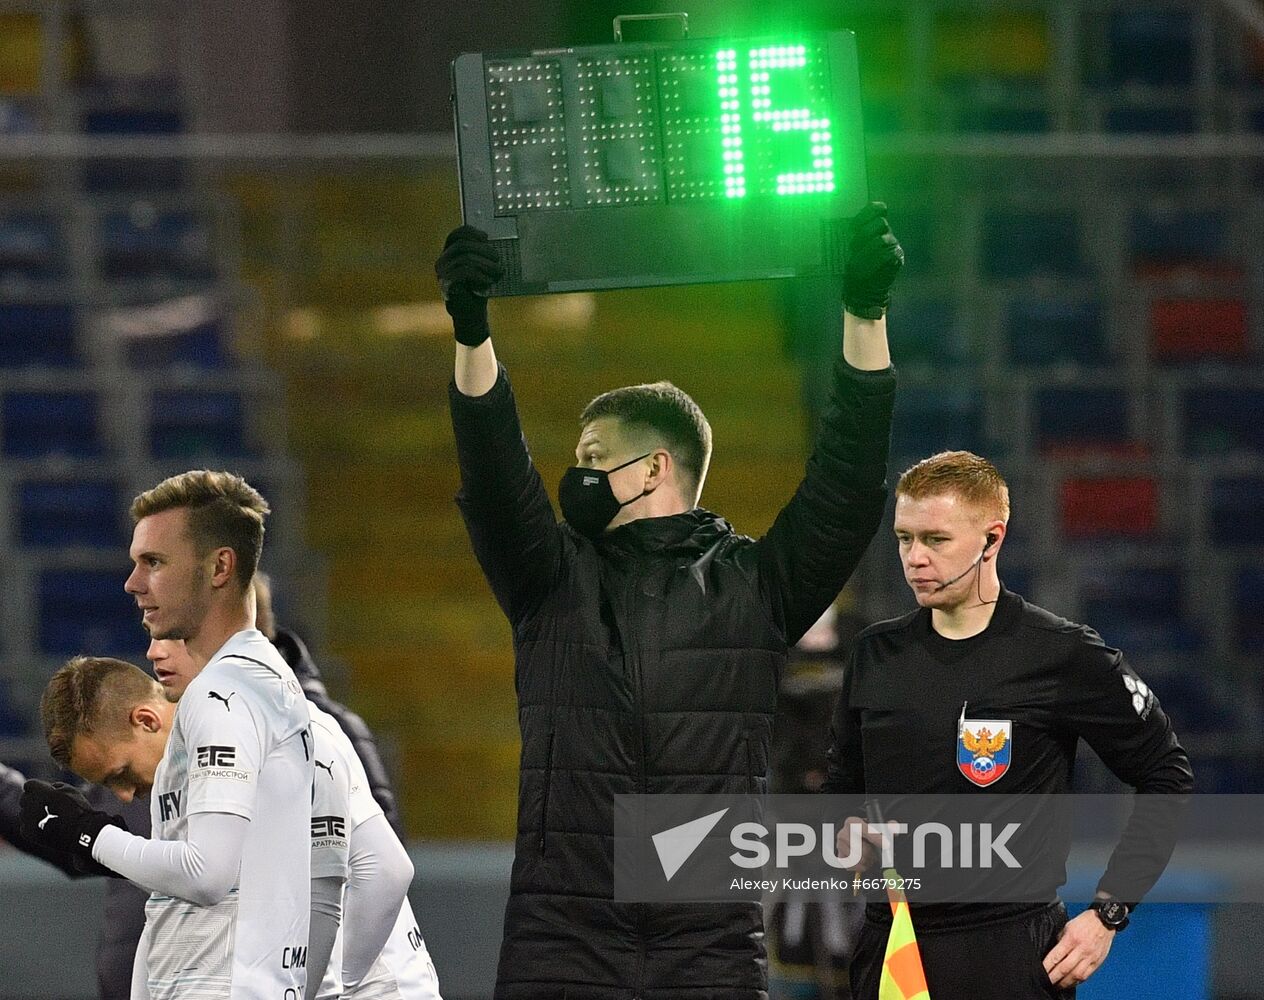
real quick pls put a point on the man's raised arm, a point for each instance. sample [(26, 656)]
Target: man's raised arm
[(818, 538), (507, 512)]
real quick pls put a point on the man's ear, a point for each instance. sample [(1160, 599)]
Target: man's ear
[(145, 717), (661, 466), (224, 568)]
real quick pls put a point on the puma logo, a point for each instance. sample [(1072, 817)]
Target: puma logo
[(48, 815), (219, 697), (328, 767)]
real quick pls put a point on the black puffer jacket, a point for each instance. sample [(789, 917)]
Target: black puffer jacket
[(649, 662)]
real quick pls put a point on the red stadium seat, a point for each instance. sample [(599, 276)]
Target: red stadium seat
[(1119, 506), (1199, 329)]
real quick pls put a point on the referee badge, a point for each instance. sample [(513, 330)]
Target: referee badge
[(984, 747)]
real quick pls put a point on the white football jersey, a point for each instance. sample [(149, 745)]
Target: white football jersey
[(403, 971), (240, 743)]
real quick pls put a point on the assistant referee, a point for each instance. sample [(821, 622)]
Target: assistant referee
[(979, 691)]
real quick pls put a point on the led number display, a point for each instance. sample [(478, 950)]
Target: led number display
[(587, 166)]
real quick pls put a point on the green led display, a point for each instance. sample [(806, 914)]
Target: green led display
[(764, 70), (647, 163)]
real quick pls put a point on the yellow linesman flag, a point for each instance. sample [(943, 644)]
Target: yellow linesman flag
[(903, 977)]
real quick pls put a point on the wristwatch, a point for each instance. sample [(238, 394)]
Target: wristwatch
[(1112, 913)]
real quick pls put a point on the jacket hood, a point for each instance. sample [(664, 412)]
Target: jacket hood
[(692, 533), (294, 651)]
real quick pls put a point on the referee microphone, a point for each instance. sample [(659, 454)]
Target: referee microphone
[(990, 538)]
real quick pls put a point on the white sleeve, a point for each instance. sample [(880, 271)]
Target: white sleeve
[(330, 805), (326, 916), (200, 869), (140, 968), (227, 747), (381, 873), (363, 806)]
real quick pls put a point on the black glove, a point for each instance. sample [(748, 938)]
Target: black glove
[(871, 260), (59, 815), (467, 269)]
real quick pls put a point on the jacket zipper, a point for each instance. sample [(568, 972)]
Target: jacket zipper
[(548, 780), (633, 653)]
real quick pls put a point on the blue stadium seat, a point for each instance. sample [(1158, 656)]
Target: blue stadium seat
[(50, 423), (1073, 417), (174, 245), (1018, 244), (33, 334), (1153, 47), (87, 611), (1170, 119), (1056, 331), (87, 513), (929, 420), (1178, 237), (202, 346), (1236, 511), (1139, 608), (31, 247), (925, 331), (188, 424), (1223, 419), (1248, 609)]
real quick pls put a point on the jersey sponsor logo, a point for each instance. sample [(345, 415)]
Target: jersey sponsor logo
[(218, 762), (1142, 697), (984, 749), (216, 756), (415, 940), (328, 767), (169, 805), (294, 958), (219, 697), (329, 826)]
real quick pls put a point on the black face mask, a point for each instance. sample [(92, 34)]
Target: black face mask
[(587, 499)]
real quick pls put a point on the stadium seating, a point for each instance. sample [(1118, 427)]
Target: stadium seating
[(88, 610), (37, 334), (1043, 331), (36, 424), (1020, 243), (1223, 419), (1072, 419), (71, 513), (195, 424)]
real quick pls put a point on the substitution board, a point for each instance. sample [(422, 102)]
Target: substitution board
[(658, 163)]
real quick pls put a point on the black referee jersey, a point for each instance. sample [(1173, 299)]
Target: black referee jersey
[(923, 715)]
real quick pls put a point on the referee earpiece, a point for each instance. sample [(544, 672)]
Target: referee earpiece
[(990, 538)]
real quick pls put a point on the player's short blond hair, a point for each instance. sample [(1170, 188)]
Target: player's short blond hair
[(224, 511), (961, 473), (91, 694)]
